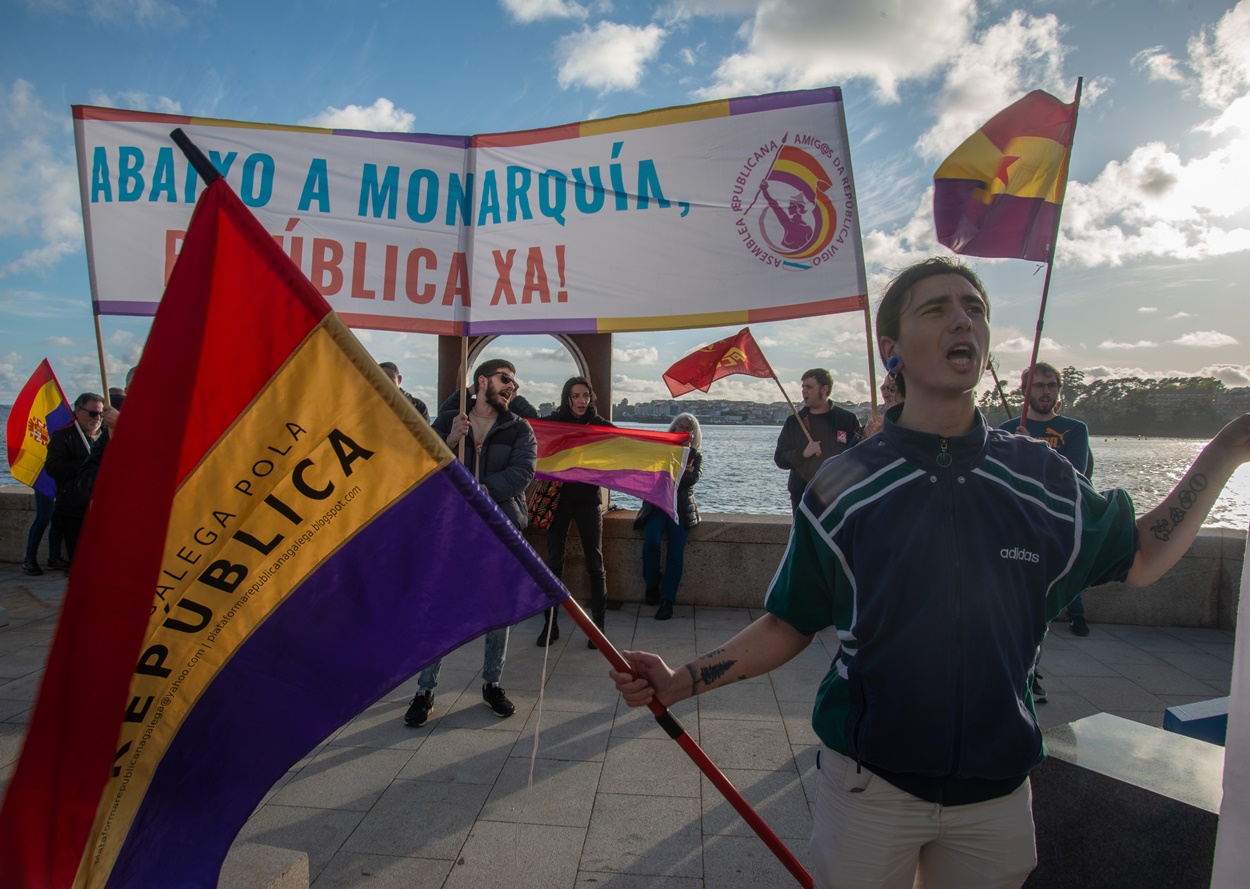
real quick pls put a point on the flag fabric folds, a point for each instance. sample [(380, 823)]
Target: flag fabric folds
[(40, 409), (999, 194), (738, 354), (275, 540), (647, 465)]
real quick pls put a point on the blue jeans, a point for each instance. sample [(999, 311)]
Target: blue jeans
[(43, 517), (492, 662), (653, 532)]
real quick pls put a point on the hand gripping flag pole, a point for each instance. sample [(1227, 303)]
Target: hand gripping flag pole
[(674, 729)]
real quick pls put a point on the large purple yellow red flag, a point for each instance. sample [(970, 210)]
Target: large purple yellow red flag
[(737, 354), (999, 194), (301, 542), (644, 464), (40, 409)]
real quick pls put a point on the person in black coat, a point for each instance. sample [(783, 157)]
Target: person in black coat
[(578, 503), (655, 522), (68, 450)]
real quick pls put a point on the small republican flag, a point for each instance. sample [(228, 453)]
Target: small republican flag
[(40, 409), (999, 193), (738, 354)]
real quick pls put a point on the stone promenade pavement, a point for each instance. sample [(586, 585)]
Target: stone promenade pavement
[(614, 803)]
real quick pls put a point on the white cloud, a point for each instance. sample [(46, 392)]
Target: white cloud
[(1024, 344), (1206, 339), (1179, 315), (1222, 60), (525, 11), (607, 57), (643, 355), (1231, 375), (136, 100), (1158, 204), (1140, 344), (382, 115), (58, 341), (1147, 309), (1159, 65), (799, 44), (39, 197), (149, 13), (1008, 59)]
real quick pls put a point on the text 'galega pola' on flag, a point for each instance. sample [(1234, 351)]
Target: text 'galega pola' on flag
[(999, 193), (276, 540)]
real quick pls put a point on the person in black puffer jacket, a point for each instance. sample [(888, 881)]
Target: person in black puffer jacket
[(578, 503), (656, 522)]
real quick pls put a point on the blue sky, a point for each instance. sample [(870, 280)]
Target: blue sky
[(1154, 260)]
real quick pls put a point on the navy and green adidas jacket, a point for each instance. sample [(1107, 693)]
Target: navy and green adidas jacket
[(940, 562)]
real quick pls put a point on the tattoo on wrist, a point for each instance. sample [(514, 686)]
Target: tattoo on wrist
[(709, 674), (1162, 529)]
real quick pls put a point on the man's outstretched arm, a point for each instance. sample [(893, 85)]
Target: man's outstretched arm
[(1168, 530)]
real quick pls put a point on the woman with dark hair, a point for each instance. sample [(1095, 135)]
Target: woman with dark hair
[(578, 503), (655, 523)]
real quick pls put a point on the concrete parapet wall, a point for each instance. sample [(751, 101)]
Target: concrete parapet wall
[(731, 559)]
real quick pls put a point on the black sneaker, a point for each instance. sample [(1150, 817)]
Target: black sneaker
[(1079, 626), (493, 696), (419, 709), (665, 611), (31, 567), (62, 564), (1039, 693)]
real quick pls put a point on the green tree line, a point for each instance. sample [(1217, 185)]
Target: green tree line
[(1176, 407)]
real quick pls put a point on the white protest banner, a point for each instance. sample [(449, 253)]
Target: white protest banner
[(726, 212)]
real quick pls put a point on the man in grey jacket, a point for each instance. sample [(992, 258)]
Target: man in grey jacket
[(500, 451)]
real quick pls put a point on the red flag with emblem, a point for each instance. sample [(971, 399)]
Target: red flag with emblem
[(738, 354)]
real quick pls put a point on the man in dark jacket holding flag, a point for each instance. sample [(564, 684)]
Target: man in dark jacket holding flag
[(830, 430)]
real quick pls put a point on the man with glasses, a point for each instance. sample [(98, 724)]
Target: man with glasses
[(68, 449), (500, 451), (1067, 436)]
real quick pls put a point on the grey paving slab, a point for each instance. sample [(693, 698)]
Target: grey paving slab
[(652, 767), (318, 832), (776, 796), (797, 685), (382, 725), (584, 693), (1070, 662), (592, 880), (796, 716), (1195, 635), (741, 700), (350, 869), (1152, 639), (1116, 651), (15, 711), (563, 792), (348, 778), (1198, 664), (528, 856), (463, 756), (1114, 694), (746, 744), (1164, 679), (638, 722), (732, 862), (567, 734), (658, 836), (420, 819)]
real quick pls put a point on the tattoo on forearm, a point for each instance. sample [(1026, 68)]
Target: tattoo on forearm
[(1162, 529), (710, 673)]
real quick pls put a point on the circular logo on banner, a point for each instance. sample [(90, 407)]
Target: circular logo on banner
[(793, 202)]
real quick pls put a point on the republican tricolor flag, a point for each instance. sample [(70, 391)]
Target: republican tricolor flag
[(40, 409), (276, 539), (999, 193), (644, 464), (737, 354)]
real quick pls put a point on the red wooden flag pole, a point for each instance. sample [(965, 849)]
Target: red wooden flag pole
[(670, 724)]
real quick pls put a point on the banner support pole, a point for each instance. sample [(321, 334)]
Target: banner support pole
[(1050, 267), (802, 426), (99, 348), (464, 386)]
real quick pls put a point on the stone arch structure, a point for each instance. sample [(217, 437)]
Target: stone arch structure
[(592, 353)]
